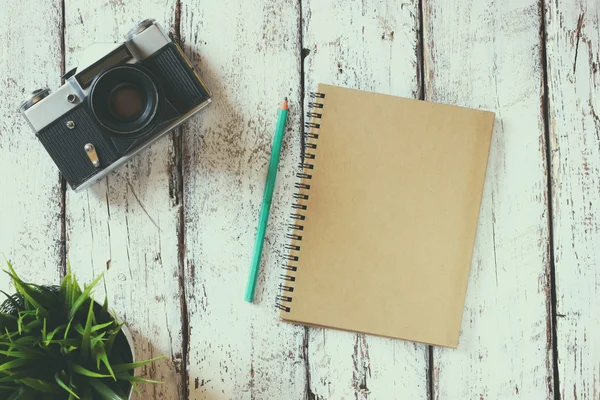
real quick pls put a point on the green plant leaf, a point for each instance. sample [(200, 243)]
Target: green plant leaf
[(73, 291), (79, 385), (101, 354), (16, 354), (8, 335), (134, 365), (86, 372), (44, 333), (79, 328), (67, 329), (19, 374), (97, 339), (62, 294), (19, 362), (26, 340), (64, 386), (26, 290), (105, 391), (31, 326), (135, 387), (102, 326), (40, 385), (14, 396), (105, 305), (30, 313), (85, 341), (96, 346), (26, 350), (65, 342), (54, 332), (66, 290), (22, 393), (3, 387), (112, 337), (85, 295), (131, 378), (29, 294)]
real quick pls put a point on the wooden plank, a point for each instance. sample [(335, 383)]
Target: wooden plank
[(573, 58), (471, 50), (369, 45), (30, 209), (127, 225), (248, 52)]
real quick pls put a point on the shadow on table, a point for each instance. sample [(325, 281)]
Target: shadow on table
[(168, 371), (223, 136)]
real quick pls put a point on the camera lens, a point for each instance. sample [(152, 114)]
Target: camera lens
[(126, 101)]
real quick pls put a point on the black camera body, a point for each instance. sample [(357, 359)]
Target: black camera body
[(117, 106)]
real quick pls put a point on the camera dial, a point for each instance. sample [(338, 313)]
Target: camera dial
[(139, 28), (34, 98)]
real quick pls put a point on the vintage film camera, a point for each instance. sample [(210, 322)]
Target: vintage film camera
[(117, 106)]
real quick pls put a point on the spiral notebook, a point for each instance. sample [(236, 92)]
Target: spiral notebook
[(385, 216)]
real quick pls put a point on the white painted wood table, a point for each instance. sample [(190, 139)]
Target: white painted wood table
[(173, 230)]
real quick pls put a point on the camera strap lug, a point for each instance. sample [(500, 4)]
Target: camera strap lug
[(92, 155)]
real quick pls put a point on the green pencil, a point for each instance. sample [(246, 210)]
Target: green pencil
[(266, 203)]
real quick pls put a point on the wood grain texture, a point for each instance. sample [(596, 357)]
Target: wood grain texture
[(126, 226), (249, 54), (573, 58), (471, 52), (369, 45), (30, 208), (483, 54)]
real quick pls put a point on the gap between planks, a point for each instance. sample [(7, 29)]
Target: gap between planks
[(178, 194), (310, 395), (63, 182), (421, 96), (555, 385)]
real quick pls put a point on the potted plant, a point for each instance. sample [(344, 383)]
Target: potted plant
[(57, 343)]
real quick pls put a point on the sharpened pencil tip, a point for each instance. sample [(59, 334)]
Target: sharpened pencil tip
[(284, 105)]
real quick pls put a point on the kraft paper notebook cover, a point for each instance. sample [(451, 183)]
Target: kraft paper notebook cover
[(385, 216)]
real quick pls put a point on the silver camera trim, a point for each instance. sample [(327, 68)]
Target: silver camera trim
[(35, 97), (139, 28)]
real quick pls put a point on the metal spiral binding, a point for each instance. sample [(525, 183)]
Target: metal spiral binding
[(297, 216)]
